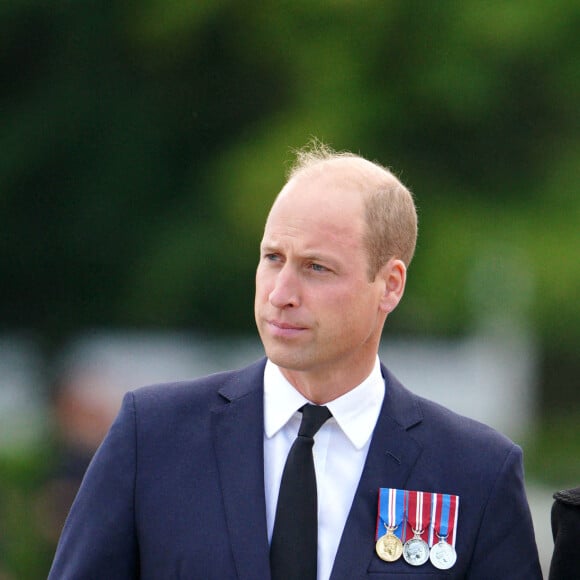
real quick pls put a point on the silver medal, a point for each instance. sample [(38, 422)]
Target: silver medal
[(443, 556), (416, 551)]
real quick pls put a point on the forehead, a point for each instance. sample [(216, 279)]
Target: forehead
[(320, 207)]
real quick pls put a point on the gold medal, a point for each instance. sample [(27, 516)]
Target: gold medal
[(389, 548)]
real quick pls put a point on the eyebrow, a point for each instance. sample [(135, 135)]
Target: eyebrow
[(274, 248), (269, 247)]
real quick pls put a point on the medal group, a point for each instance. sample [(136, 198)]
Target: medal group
[(420, 526)]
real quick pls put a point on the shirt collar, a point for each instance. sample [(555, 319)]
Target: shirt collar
[(356, 412)]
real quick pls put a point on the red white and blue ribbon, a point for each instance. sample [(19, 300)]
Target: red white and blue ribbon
[(418, 508), (445, 510), (391, 512)]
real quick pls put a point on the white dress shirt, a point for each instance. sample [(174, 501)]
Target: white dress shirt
[(340, 451)]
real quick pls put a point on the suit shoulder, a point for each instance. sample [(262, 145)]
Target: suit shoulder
[(451, 424), (432, 423), (200, 393), (453, 445)]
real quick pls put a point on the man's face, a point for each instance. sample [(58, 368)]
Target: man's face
[(315, 309)]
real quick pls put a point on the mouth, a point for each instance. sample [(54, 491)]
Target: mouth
[(284, 329)]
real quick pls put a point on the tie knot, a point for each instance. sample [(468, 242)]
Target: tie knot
[(313, 417)]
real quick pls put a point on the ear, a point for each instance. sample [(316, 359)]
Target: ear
[(394, 276)]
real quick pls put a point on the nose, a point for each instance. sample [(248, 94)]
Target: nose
[(286, 290)]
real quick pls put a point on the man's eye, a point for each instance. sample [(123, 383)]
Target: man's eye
[(318, 268)]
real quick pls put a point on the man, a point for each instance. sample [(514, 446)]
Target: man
[(186, 484), (565, 564)]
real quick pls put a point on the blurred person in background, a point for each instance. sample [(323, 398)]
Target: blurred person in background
[(565, 563), (207, 478), (83, 407)]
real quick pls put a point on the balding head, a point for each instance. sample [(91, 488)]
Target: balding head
[(389, 211)]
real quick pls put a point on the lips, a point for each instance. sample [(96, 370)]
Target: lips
[(284, 329), (285, 325)]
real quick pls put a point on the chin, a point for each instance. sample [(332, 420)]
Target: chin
[(285, 359)]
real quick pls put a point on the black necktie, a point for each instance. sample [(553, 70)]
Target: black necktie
[(294, 547)]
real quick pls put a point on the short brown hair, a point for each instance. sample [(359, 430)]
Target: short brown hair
[(390, 212)]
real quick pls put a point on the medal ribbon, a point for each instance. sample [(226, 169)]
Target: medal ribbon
[(391, 511), (419, 513), (445, 511)]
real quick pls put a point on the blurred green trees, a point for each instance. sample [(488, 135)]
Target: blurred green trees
[(142, 143)]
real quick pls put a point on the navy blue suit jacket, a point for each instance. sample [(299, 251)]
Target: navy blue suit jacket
[(176, 490)]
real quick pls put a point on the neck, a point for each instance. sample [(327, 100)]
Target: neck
[(321, 387)]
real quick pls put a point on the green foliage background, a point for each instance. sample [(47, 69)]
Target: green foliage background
[(143, 141)]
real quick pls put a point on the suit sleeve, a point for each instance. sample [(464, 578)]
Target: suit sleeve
[(506, 546), (99, 539)]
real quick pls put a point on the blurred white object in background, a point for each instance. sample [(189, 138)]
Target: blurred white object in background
[(22, 394), (489, 378)]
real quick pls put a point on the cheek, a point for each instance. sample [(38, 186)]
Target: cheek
[(357, 309), (338, 308), (262, 284)]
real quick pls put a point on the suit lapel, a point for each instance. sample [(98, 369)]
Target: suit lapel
[(390, 461), (238, 427)]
